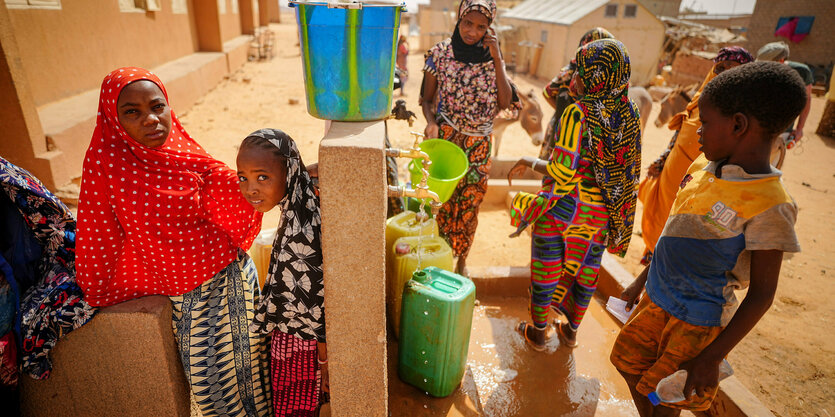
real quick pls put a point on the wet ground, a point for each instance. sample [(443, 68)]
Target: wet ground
[(506, 378)]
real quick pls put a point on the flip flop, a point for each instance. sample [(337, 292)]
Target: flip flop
[(522, 328), (563, 338)]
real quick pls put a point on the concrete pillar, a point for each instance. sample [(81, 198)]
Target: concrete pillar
[(264, 11), (249, 16), (207, 22), (274, 12), (24, 142), (353, 191), (123, 362)]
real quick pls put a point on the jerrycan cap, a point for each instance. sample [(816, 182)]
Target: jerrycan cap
[(402, 248)]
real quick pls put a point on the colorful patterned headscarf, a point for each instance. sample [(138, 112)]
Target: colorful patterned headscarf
[(563, 79), (734, 53), (485, 7), (615, 133), (293, 298)]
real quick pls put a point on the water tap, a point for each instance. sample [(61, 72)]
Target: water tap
[(414, 152)]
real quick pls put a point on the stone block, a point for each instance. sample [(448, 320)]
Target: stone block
[(122, 363)]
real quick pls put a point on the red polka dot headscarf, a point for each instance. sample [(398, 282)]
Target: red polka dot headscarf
[(154, 220)]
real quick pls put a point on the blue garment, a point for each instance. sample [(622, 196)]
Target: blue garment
[(38, 242), (703, 254)]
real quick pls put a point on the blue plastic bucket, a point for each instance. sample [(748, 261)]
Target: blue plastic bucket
[(348, 52)]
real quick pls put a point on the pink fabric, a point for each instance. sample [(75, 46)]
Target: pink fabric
[(295, 376), (8, 360), (154, 220), (788, 31)]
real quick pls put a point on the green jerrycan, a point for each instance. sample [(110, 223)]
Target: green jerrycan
[(407, 251), (435, 325)]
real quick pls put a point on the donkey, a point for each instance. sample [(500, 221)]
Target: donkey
[(672, 104), (643, 100), (530, 116)]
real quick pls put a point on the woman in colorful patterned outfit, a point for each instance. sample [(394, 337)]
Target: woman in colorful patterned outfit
[(39, 298), (159, 215), (658, 189), (558, 92), (467, 74), (587, 201)]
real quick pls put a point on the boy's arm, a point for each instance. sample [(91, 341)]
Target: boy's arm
[(703, 370), (632, 293)]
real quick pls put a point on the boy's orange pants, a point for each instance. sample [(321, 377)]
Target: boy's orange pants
[(652, 344)]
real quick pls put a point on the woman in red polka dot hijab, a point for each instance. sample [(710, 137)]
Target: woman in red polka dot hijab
[(158, 215)]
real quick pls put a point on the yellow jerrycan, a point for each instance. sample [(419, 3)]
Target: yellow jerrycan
[(260, 252), (409, 254)]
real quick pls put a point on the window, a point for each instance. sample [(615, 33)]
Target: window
[(33, 4), (139, 6), (179, 7), (543, 36), (630, 10), (611, 10), (221, 6)]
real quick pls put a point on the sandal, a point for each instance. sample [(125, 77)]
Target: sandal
[(563, 338), (523, 329)]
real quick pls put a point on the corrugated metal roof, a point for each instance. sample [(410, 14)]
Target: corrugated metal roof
[(561, 12)]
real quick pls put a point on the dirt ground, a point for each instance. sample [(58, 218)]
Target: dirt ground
[(788, 360)]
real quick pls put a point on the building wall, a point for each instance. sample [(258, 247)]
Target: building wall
[(818, 48), (643, 36), (86, 39), (230, 20), (436, 24), (662, 7), (525, 41)]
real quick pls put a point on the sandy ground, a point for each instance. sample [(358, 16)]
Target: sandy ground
[(788, 360)]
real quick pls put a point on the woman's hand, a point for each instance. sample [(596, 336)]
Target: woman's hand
[(431, 130), (519, 168), (491, 41)]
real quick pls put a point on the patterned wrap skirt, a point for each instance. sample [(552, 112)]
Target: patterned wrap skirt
[(458, 217), (226, 366)]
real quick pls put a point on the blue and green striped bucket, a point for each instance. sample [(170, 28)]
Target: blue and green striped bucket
[(348, 52)]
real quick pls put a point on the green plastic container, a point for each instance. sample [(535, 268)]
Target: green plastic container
[(449, 164), (435, 330), (433, 251)]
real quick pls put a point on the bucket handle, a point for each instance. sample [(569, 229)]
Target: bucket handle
[(348, 5), (344, 5)]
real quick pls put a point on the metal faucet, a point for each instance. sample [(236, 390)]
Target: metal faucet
[(421, 191), (414, 152)]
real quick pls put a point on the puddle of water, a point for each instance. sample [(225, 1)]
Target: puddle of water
[(505, 378)]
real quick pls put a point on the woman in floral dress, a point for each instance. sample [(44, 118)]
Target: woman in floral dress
[(464, 85)]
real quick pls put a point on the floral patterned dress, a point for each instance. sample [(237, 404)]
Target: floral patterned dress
[(38, 268), (467, 104)]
